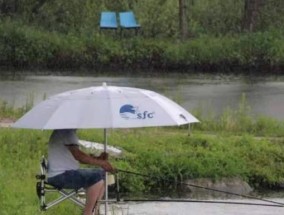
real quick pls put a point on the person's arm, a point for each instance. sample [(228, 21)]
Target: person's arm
[(84, 158)]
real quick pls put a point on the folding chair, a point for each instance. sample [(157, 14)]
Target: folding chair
[(42, 187), (128, 21), (108, 20)]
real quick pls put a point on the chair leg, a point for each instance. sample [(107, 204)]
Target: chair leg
[(65, 195), (41, 194), (42, 187)]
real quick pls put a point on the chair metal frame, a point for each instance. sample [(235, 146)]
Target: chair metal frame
[(42, 187)]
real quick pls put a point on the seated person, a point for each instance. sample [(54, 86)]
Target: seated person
[(64, 157)]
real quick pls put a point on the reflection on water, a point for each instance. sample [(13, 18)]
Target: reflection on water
[(211, 93)]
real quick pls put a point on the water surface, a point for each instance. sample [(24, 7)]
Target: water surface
[(212, 94)]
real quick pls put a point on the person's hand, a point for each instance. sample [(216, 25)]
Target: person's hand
[(107, 166)]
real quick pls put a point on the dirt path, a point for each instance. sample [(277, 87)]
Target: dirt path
[(6, 122)]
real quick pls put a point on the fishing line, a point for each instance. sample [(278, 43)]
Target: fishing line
[(200, 201), (276, 204)]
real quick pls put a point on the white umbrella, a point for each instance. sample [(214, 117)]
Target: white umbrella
[(105, 107)]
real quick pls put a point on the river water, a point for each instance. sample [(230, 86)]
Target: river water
[(211, 93)]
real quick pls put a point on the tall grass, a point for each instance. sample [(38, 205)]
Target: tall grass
[(8, 111), (239, 121)]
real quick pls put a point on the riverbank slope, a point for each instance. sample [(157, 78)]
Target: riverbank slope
[(27, 47)]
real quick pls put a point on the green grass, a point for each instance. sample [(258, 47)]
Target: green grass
[(164, 153), (20, 153), (232, 144)]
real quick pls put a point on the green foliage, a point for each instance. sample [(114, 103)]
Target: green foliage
[(8, 111), (22, 46), (261, 154), (276, 51), (202, 51), (256, 48), (167, 155), (216, 16), (63, 16), (270, 16), (143, 53), (158, 18)]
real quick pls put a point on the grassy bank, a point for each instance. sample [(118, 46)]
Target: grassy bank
[(29, 47), (222, 146), (166, 153)]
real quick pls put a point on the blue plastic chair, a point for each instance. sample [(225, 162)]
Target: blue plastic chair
[(108, 20), (127, 20)]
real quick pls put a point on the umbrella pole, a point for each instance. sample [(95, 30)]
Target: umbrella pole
[(106, 185)]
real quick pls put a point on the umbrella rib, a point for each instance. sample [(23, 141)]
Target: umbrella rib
[(50, 118), (158, 101), (109, 105)]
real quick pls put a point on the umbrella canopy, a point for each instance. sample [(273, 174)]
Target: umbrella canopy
[(105, 107)]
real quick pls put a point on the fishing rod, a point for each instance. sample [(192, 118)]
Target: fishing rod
[(275, 204)]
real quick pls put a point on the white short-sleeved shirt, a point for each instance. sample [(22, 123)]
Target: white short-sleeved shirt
[(60, 158)]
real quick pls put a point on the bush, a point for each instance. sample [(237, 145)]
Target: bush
[(25, 46)]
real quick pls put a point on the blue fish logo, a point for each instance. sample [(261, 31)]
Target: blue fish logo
[(127, 109), (128, 112), (131, 112)]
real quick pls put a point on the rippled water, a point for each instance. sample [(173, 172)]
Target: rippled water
[(210, 93)]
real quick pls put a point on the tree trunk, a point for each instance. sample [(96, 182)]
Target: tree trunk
[(183, 25), (9, 7), (251, 11)]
